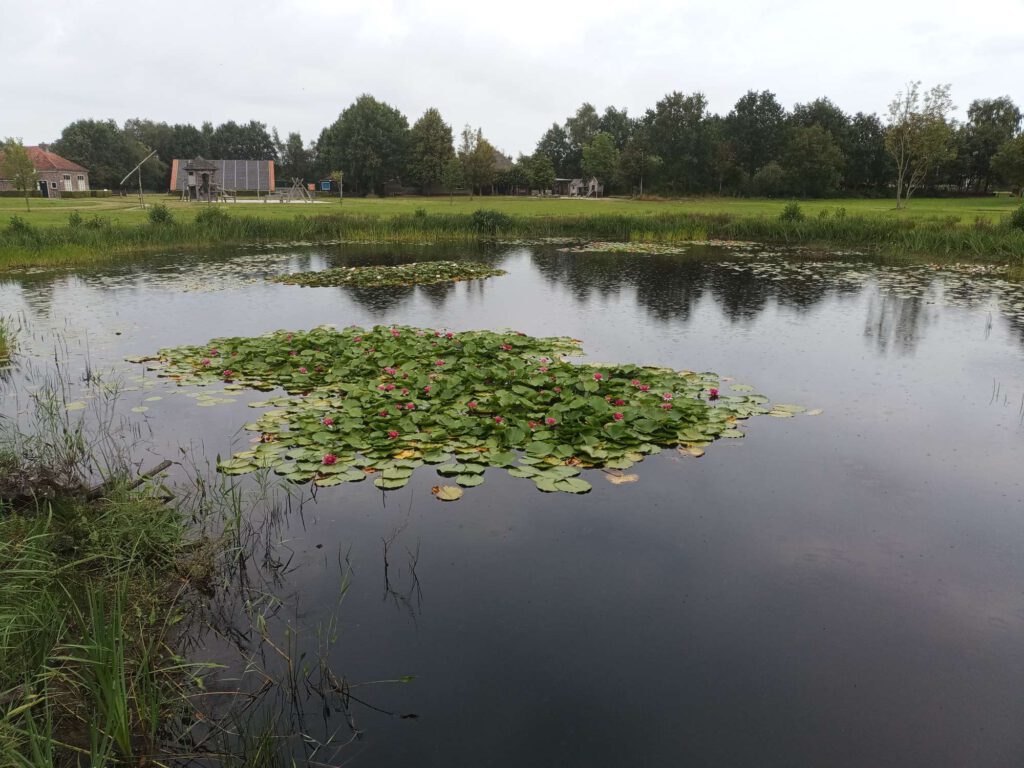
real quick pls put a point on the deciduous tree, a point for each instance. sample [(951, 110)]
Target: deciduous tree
[(369, 141), (601, 158), (430, 149), (17, 168), (918, 136), (1008, 162)]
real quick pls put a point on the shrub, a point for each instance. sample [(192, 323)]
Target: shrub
[(792, 212), (74, 219), (769, 181), (489, 222), (420, 213), (1017, 218), (18, 226), (160, 215), (211, 216)]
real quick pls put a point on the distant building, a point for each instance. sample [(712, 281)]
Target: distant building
[(54, 174), (228, 175), (578, 187)]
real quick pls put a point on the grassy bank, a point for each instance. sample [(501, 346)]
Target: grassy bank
[(106, 583), (121, 210), (83, 240)]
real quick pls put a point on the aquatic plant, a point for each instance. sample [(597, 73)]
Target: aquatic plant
[(101, 239), (420, 273), (389, 399), (7, 333)]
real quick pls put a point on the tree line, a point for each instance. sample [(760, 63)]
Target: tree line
[(676, 147)]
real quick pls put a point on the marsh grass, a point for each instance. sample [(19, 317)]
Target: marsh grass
[(97, 240), (103, 596), (7, 338)]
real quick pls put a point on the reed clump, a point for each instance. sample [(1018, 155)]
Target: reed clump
[(95, 239)]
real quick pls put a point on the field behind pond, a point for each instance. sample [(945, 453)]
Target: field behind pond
[(125, 210)]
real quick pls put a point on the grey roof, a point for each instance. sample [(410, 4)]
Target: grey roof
[(239, 175)]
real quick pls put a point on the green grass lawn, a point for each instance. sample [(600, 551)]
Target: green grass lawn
[(127, 211)]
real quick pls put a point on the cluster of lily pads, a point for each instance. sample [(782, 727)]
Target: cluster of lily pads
[(385, 400), (419, 273)]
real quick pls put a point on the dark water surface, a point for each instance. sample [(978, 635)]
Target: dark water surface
[(840, 590)]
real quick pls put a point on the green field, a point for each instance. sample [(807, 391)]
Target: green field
[(127, 211)]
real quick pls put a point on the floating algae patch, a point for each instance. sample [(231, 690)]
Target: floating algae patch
[(419, 273), (386, 400)]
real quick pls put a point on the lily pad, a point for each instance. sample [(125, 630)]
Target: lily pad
[(447, 492), (387, 399)]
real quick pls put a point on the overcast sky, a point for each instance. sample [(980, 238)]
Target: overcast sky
[(512, 68)]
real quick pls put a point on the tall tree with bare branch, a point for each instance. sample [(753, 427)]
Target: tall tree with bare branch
[(919, 137)]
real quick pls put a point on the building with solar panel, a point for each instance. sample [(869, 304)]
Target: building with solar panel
[(207, 177)]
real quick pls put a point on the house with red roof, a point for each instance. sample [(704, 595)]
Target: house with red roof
[(54, 174)]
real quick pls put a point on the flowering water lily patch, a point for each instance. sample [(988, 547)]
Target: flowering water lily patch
[(386, 400), (419, 273)]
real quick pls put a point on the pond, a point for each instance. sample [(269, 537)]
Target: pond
[(843, 589)]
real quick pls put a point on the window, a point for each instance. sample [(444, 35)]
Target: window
[(81, 177), (53, 185), (67, 177)]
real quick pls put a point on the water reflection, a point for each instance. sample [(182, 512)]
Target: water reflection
[(861, 557), (896, 322)]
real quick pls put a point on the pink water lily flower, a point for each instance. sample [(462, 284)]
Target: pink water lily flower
[(357, 339), (620, 401), (392, 434), (506, 347), (498, 419), (449, 335), (617, 416), (550, 421), (292, 352), (384, 412), (439, 362), (388, 387), (426, 388), (329, 458), (390, 371), (471, 404), (302, 369), (395, 333), (214, 352), (644, 387), (543, 369), (206, 361), (666, 396), (667, 406), (228, 373), (557, 389), (598, 376), (327, 421), (532, 424), (712, 394), (405, 391), (410, 406)]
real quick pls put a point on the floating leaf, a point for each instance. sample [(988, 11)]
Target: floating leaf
[(620, 479), (447, 492), (391, 398), (469, 481), (380, 276)]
